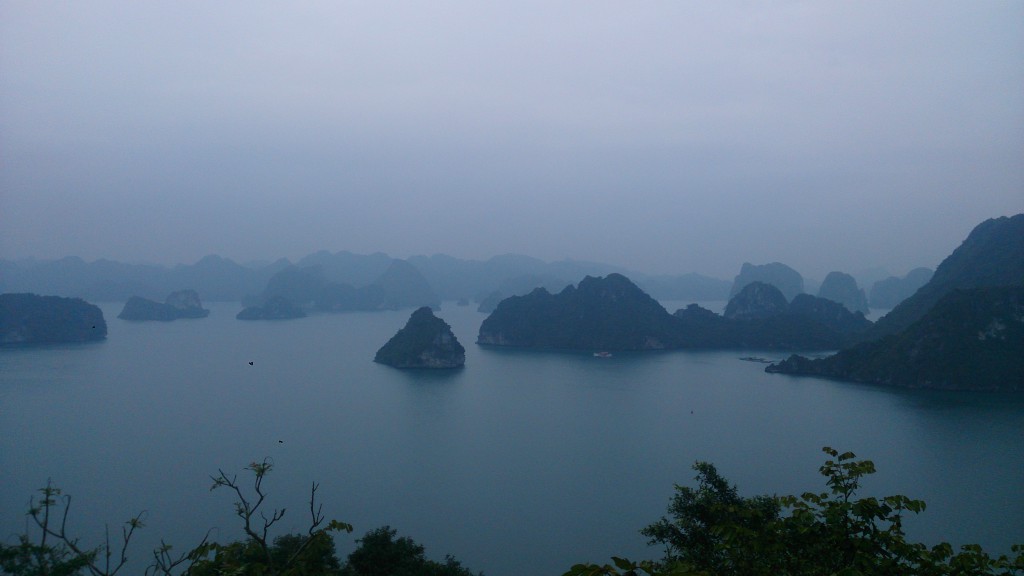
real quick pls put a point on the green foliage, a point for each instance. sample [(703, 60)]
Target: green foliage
[(691, 536), (289, 555), (27, 558), (715, 532), (381, 554)]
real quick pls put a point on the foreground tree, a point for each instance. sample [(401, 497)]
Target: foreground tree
[(381, 554), (50, 550), (715, 532)]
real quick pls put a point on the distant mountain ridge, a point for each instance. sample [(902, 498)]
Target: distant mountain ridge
[(310, 288), (889, 292), (221, 279)]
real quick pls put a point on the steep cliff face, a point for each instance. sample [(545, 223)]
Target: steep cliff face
[(970, 340), (755, 301), (842, 288), (426, 341), (27, 319)]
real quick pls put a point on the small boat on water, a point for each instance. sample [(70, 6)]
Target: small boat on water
[(602, 354)]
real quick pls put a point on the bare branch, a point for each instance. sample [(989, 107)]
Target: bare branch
[(315, 513)]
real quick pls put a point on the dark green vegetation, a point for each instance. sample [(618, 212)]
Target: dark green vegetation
[(992, 255), (27, 319), (710, 530), (612, 313), (608, 313), (48, 549), (426, 341), (713, 531), (962, 330), (971, 340), (180, 304), (757, 300), (380, 553)]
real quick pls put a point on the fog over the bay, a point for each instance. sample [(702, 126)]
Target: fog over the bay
[(666, 137)]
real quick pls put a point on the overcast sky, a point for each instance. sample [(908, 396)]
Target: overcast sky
[(662, 136)]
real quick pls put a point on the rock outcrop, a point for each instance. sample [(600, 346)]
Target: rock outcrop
[(842, 288), (755, 301), (426, 341), (972, 339), (787, 280), (277, 308), (27, 319), (180, 304)]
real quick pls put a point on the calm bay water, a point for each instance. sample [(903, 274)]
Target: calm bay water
[(522, 462)]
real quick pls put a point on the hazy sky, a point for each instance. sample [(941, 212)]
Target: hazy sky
[(663, 136)]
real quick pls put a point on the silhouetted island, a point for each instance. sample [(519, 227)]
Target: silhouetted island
[(426, 341), (612, 313), (180, 304), (760, 317), (27, 319), (276, 308)]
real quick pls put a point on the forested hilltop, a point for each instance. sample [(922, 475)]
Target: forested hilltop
[(27, 319), (970, 340), (613, 313), (963, 330)]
